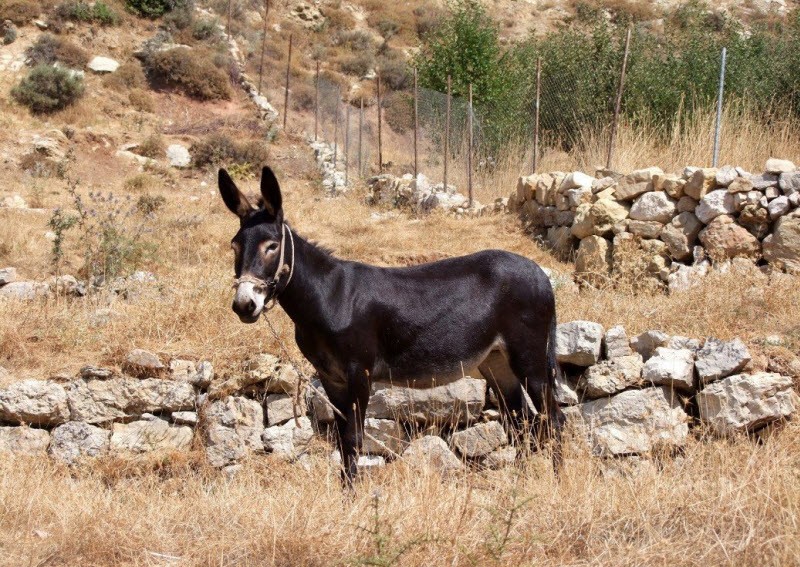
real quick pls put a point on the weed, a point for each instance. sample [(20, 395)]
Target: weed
[(153, 146), (218, 149), (50, 49), (139, 182), (20, 12), (128, 76), (150, 204)]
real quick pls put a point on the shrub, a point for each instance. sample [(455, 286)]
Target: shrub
[(149, 204), (358, 64), (394, 71), (128, 76), (219, 149), (141, 100), (302, 97), (150, 8), (181, 16), (19, 11), (205, 29), (356, 40), (47, 89), (139, 182), (9, 35), (194, 74), (48, 49), (399, 111), (153, 147), (80, 11), (428, 18)]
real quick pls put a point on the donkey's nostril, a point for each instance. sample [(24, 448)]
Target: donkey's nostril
[(243, 308)]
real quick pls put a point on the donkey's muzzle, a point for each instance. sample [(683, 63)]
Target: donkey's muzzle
[(248, 302)]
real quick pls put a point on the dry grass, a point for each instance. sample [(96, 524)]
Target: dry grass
[(722, 503)]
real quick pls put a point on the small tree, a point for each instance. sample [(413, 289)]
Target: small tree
[(47, 89)]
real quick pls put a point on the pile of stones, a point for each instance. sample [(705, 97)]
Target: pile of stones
[(679, 223), (623, 397)]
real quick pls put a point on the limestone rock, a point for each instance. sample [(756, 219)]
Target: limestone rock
[(764, 181), (718, 359), (150, 435), (726, 175), (431, 452), (479, 440), (723, 238), (184, 418), (686, 277), (579, 342), (654, 206), (714, 204), (99, 401), (198, 374), (628, 190), (647, 343), (778, 207), (686, 204), (599, 218), (678, 342), (34, 401), (635, 421), (789, 183), (280, 409), (744, 403), (7, 276), (680, 235), (100, 65), (565, 393), (755, 219), (143, 364), (24, 291), (288, 440), (593, 260), (611, 376), (775, 165), (319, 403), (232, 429), (178, 156), (502, 457), (278, 378), (701, 182), (670, 367), (575, 180), (645, 229), (616, 343), (458, 402), (389, 437), (23, 441), (782, 247), (75, 440)]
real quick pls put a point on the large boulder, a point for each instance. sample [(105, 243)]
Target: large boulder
[(100, 401), (593, 260), (232, 430), (289, 440), (744, 403), (782, 247), (146, 436), (718, 359), (680, 235), (458, 402), (431, 452), (23, 441), (178, 156), (579, 342), (76, 440), (670, 367), (611, 376), (635, 421), (656, 206), (34, 401), (724, 239), (101, 65), (479, 440)]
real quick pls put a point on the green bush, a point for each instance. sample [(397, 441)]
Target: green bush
[(48, 88), (80, 11), (358, 64), (394, 71), (193, 73), (220, 149), (49, 49), (205, 29), (151, 8)]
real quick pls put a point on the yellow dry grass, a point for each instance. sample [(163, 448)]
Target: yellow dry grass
[(721, 503)]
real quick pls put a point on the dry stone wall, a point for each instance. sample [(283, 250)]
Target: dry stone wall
[(677, 224), (623, 396)]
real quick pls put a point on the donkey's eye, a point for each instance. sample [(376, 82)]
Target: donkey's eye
[(269, 246)]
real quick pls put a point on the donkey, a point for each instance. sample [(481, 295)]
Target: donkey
[(413, 326)]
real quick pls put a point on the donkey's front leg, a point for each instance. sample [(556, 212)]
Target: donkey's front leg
[(351, 401)]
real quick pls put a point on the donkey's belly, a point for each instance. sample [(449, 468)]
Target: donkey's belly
[(430, 373)]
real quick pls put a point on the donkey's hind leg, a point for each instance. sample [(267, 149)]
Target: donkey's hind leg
[(514, 406)]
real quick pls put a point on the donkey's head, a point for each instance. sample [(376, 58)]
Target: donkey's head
[(259, 246)]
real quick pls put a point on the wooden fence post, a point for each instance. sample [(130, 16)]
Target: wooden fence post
[(336, 127), (316, 102), (469, 147), (286, 90), (360, 134), (536, 117), (447, 131), (263, 44), (380, 128), (347, 144), (416, 125)]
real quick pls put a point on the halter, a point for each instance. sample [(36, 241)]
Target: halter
[(270, 287)]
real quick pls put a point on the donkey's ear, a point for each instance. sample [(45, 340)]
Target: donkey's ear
[(271, 191), (234, 199)]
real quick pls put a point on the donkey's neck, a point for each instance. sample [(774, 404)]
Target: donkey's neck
[(311, 285)]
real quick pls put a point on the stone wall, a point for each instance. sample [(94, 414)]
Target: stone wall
[(679, 224), (624, 397)]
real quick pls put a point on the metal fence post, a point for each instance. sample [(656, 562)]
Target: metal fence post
[(336, 128), (469, 147), (718, 126), (416, 124), (380, 127), (447, 131), (316, 102), (536, 114), (347, 144), (286, 90), (619, 99), (360, 134)]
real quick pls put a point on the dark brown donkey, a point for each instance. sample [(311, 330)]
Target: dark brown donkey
[(416, 325)]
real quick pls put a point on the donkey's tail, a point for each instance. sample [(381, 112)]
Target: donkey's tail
[(553, 369)]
